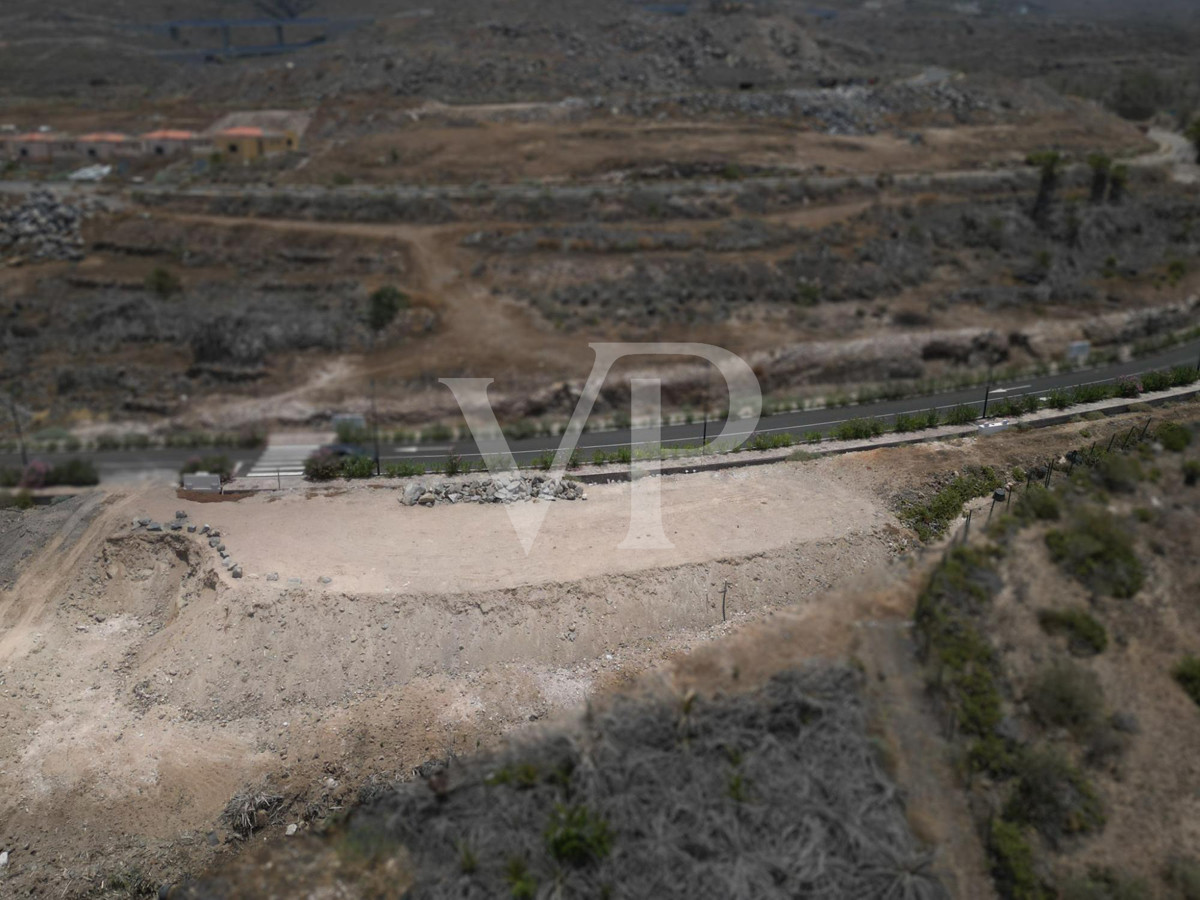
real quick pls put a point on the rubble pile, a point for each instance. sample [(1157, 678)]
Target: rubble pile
[(502, 489), (43, 227)]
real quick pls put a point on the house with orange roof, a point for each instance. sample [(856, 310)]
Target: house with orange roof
[(249, 142), (172, 142), (35, 146), (106, 145), (254, 134)]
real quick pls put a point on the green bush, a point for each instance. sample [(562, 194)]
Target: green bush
[(383, 305), (1085, 636), (1099, 553), (1012, 866), (1119, 473), (403, 470), (75, 472), (1104, 884), (10, 476), (1054, 797), (20, 500), (929, 519), (1173, 437), (358, 467), (1067, 696), (350, 433), (858, 429), (1037, 503), (521, 883), (962, 415), (322, 466), (1187, 673), (216, 463), (1059, 399), (576, 836)]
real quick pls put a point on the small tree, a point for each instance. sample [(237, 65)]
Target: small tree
[(1050, 163), (383, 305), (163, 282), (1101, 166)]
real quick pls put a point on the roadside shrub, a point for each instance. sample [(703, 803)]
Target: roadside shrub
[(1187, 673), (350, 433), (1012, 862), (1173, 437), (1129, 388), (962, 415), (1098, 553), (439, 431), (1054, 798), (771, 441), (358, 467), (813, 437), (322, 466), (1059, 399), (1091, 393), (35, 475), (1085, 635), (454, 465), (858, 429), (1156, 381), (74, 472), (1067, 696), (403, 470), (544, 461), (1181, 376)]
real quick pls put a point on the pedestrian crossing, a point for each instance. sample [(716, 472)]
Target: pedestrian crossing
[(281, 460)]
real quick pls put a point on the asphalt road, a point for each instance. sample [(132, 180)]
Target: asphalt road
[(125, 466), (821, 419)]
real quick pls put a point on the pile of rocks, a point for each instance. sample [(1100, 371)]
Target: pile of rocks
[(181, 522), (43, 227), (502, 489)]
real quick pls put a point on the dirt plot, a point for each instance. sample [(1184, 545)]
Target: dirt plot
[(142, 687)]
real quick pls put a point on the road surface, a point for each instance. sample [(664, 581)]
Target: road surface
[(283, 460)]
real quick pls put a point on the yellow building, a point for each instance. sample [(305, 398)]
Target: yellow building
[(248, 142)]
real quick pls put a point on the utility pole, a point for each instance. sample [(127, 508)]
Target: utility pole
[(987, 391), (16, 417), (724, 591), (375, 428)]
